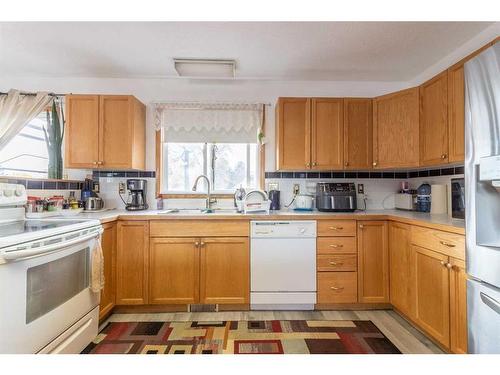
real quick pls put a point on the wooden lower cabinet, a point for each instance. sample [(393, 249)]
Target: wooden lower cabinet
[(401, 268), (224, 270), (337, 287), (108, 243), (174, 270), (132, 262), (432, 291), (373, 262), (458, 306)]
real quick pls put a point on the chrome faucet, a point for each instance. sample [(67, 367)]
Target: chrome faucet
[(209, 199)]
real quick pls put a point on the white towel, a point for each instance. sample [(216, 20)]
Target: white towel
[(97, 264)]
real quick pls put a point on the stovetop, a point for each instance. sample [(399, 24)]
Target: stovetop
[(32, 226)]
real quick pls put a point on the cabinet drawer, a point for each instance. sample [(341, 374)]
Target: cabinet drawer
[(336, 228), (199, 228), (341, 262), (336, 245), (450, 244), (337, 287)]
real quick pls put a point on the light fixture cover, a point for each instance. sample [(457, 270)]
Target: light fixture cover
[(205, 68)]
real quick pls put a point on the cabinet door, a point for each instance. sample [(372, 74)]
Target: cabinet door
[(225, 270), (82, 131), (434, 120), (432, 289), (293, 134), (174, 271), (132, 263), (116, 129), (458, 306), (401, 268), (373, 262), (327, 134), (395, 130), (108, 243), (456, 114), (358, 133)]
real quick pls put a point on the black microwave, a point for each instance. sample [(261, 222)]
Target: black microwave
[(458, 198)]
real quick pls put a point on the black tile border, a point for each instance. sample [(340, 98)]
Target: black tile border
[(33, 184), (445, 171), (124, 174)]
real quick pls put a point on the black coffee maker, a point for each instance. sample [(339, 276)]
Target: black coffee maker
[(137, 195)]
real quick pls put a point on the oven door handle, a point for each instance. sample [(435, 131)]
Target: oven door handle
[(28, 253)]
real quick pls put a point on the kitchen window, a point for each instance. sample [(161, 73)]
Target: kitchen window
[(221, 141)]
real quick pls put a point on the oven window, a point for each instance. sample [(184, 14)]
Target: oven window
[(51, 284)]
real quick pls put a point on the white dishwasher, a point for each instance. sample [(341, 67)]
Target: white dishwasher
[(283, 265)]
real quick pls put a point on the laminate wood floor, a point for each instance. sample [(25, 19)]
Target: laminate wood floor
[(407, 338)]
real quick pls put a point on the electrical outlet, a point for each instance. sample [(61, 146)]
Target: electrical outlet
[(361, 188), (296, 189), (121, 187)]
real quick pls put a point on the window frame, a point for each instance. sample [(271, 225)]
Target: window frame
[(160, 139)]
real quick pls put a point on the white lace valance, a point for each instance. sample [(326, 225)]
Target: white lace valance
[(209, 122)]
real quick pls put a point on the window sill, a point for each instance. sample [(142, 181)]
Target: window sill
[(193, 196)]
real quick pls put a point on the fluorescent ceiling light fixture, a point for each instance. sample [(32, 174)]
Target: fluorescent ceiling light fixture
[(205, 68)]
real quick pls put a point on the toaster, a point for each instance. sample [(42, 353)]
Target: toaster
[(333, 197)]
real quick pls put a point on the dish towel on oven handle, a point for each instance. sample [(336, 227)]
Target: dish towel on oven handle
[(97, 279)]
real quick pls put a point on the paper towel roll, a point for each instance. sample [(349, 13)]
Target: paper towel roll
[(439, 200)]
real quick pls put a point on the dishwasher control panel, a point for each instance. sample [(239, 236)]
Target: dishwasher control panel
[(283, 229)]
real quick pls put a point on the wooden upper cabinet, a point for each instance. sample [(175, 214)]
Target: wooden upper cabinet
[(327, 134), (358, 133), (293, 133), (132, 263), (108, 294), (224, 270), (373, 262), (456, 114), (401, 268), (105, 131), (174, 270), (458, 306), (81, 131), (432, 291), (396, 129), (434, 120)]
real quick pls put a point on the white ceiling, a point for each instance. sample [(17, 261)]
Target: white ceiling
[(358, 51)]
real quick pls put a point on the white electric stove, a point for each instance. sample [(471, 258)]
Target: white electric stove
[(45, 270)]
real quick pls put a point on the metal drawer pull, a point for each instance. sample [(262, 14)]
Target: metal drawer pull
[(336, 228), (336, 246), (336, 264), (202, 243), (444, 243), (336, 287), (196, 244)]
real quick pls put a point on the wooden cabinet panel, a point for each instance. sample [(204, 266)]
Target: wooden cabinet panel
[(458, 306), (199, 228), (174, 271), (401, 268), (331, 228), (337, 287), (395, 129), (225, 270), (327, 134), (293, 130), (450, 244), (341, 262), (132, 263), (456, 114), (108, 243), (358, 133), (434, 120), (336, 245), (432, 290), (373, 262), (82, 131)]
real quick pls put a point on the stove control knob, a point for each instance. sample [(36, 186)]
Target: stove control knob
[(302, 230), (18, 192), (7, 193)]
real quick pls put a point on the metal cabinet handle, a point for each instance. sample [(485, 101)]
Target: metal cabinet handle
[(315, 164), (336, 287), (308, 165), (94, 163), (196, 244), (336, 228), (100, 163), (202, 243), (361, 226), (337, 264), (449, 266), (336, 246), (346, 163), (374, 163), (443, 156), (444, 243)]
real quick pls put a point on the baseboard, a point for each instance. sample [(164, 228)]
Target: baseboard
[(353, 306), (139, 309)]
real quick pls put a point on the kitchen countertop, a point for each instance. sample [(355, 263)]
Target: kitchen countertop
[(441, 221)]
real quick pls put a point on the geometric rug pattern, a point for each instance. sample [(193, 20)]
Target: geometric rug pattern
[(242, 337)]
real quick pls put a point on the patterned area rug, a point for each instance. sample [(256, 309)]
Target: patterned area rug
[(242, 337)]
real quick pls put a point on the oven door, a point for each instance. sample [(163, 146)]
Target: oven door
[(43, 296)]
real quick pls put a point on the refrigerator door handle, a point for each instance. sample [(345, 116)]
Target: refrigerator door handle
[(490, 302)]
